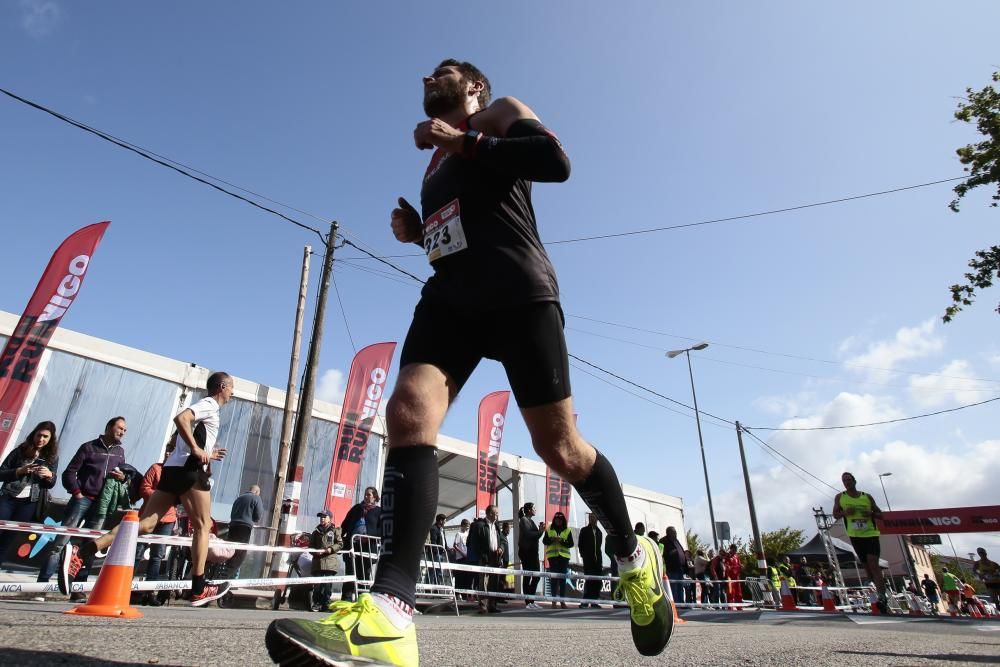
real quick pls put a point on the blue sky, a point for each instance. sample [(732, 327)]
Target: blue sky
[(670, 113)]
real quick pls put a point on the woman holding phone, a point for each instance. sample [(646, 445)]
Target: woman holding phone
[(27, 474)]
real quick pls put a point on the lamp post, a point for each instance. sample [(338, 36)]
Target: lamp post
[(907, 559), (708, 490)]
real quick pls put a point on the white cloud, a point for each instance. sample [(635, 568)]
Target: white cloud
[(995, 361), (908, 343), (923, 476), (947, 387), (330, 387), (39, 17)]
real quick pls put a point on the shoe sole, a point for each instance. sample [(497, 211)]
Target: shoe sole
[(204, 601), (669, 615), (64, 560), (287, 651)]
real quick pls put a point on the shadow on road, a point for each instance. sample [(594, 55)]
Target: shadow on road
[(20, 656), (944, 657)]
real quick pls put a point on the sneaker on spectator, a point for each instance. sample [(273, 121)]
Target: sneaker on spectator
[(78, 597), (39, 598), (210, 592)]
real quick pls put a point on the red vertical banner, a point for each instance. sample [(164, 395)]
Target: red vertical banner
[(58, 288), (365, 385), (492, 415), (557, 495)]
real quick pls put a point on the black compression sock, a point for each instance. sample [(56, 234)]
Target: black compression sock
[(409, 501), (197, 584), (602, 492)]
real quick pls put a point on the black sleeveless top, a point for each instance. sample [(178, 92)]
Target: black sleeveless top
[(493, 257)]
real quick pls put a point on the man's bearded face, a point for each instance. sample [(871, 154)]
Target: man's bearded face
[(443, 96)]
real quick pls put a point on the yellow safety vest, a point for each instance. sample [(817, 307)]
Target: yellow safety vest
[(557, 550)]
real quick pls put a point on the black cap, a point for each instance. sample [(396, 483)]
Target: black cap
[(325, 513)]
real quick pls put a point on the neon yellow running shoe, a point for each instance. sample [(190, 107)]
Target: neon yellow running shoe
[(358, 631), (651, 612)]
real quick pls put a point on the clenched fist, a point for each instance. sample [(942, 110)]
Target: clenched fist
[(406, 224)]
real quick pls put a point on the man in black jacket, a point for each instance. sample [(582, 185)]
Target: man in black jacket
[(484, 549), (84, 478), (589, 545), (527, 549)]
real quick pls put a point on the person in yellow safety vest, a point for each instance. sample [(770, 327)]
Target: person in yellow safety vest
[(859, 512), (558, 540)]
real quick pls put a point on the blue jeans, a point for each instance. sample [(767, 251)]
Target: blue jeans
[(77, 510), (156, 551), (12, 509)]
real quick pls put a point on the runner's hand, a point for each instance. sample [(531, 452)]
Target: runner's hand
[(201, 455), (437, 133), (218, 454), (405, 222)]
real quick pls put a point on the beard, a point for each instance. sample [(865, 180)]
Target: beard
[(442, 97)]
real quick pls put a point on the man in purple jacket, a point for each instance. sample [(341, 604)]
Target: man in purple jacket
[(83, 478)]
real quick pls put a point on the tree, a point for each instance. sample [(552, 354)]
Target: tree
[(982, 163), (694, 543), (779, 542)]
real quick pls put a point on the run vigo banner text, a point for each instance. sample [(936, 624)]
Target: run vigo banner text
[(365, 384), (58, 288), (492, 414)]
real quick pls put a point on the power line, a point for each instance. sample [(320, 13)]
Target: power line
[(648, 390), (149, 155), (703, 357), (640, 396), (881, 423), (758, 214), (754, 436), (777, 354)]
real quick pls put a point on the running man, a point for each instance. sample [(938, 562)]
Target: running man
[(184, 478), (494, 294), (859, 511)]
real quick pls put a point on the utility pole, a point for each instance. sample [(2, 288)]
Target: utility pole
[(289, 412), (761, 558), (293, 475)]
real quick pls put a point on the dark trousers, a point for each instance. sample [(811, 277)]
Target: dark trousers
[(558, 584), (529, 561), (592, 587), (156, 551), (321, 593), (14, 509), (238, 532)]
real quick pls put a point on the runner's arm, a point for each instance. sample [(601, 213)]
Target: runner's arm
[(183, 422), (515, 142), (838, 512)]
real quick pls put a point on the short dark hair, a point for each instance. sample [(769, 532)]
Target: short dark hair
[(215, 382), (440, 517), (471, 73), (112, 422)]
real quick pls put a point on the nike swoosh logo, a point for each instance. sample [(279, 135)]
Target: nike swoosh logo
[(359, 639)]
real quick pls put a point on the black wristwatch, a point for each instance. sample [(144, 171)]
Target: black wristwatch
[(470, 141)]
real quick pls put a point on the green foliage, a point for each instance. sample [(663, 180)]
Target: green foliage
[(982, 163), (694, 543), (779, 542)]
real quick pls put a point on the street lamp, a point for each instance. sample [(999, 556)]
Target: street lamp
[(907, 558), (708, 490)]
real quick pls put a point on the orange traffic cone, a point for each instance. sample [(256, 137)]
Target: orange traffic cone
[(787, 599), (828, 602), (111, 593), (670, 596)]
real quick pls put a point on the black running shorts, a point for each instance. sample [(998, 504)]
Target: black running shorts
[(178, 480), (527, 340), (863, 546)]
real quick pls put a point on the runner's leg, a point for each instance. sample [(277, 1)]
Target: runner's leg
[(414, 414), (198, 505)]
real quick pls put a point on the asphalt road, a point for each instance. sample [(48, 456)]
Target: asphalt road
[(38, 633)]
